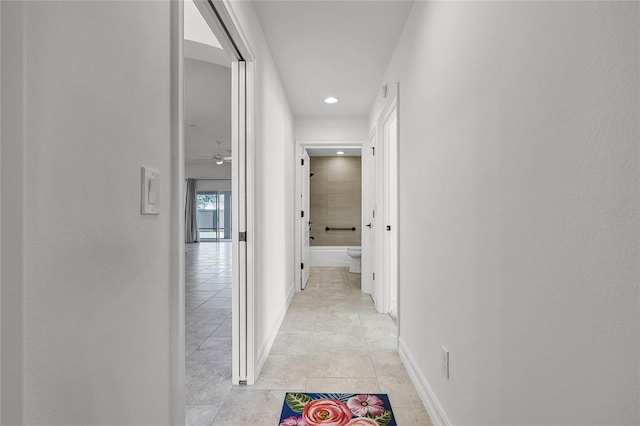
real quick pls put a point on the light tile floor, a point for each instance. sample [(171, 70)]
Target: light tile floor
[(331, 340)]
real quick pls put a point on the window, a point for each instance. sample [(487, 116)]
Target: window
[(214, 215)]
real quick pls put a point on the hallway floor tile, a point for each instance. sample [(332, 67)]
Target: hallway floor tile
[(331, 340)]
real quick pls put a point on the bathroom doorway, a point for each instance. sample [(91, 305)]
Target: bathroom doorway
[(329, 199)]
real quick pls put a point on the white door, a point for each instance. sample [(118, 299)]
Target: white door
[(305, 224), (241, 368), (367, 215), (369, 249)]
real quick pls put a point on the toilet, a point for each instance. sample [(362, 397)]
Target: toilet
[(355, 254)]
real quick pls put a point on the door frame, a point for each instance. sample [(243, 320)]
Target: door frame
[(387, 202), (219, 16), (177, 298), (300, 147)]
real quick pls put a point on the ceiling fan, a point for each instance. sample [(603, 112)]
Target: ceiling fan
[(217, 157)]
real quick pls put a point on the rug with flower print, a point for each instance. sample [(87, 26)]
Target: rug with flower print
[(336, 409)]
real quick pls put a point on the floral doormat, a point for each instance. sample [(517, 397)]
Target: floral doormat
[(336, 409)]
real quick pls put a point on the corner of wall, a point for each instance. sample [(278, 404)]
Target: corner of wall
[(428, 397)]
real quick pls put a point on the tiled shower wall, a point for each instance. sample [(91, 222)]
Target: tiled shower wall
[(336, 200)]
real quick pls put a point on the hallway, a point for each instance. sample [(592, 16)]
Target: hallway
[(331, 340)]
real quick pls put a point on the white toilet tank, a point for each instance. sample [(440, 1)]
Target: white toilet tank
[(355, 253)]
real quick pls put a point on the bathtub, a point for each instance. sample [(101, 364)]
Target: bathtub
[(329, 255)]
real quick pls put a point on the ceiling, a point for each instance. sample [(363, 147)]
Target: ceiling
[(321, 48), (207, 93), (196, 28), (332, 48), (207, 109)]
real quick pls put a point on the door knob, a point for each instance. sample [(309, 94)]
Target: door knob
[(368, 225)]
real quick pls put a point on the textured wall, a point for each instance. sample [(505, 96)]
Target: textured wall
[(98, 275), (336, 200), (519, 129), (349, 128), (12, 221)]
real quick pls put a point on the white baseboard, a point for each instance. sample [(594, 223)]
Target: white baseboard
[(437, 414), (263, 353)]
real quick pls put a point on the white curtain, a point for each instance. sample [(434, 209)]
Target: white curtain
[(191, 232)]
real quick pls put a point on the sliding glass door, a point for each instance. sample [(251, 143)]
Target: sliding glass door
[(214, 215)]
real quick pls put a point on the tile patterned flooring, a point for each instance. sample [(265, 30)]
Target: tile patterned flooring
[(331, 340)]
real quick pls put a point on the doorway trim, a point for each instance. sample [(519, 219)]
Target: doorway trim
[(387, 202), (177, 269), (301, 147)]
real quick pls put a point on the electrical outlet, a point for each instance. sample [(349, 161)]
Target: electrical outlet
[(444, 362)]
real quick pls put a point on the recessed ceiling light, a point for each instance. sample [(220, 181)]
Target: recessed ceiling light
[(331, 100), (340, 152)]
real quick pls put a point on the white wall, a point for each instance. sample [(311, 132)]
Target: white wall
[(274, 184), (519, 166), (97, 274), (11, 224), (213, 185), (207, 170), (211, 175), (331, 128)]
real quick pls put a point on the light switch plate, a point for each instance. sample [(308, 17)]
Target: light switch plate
[(150, 194)]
